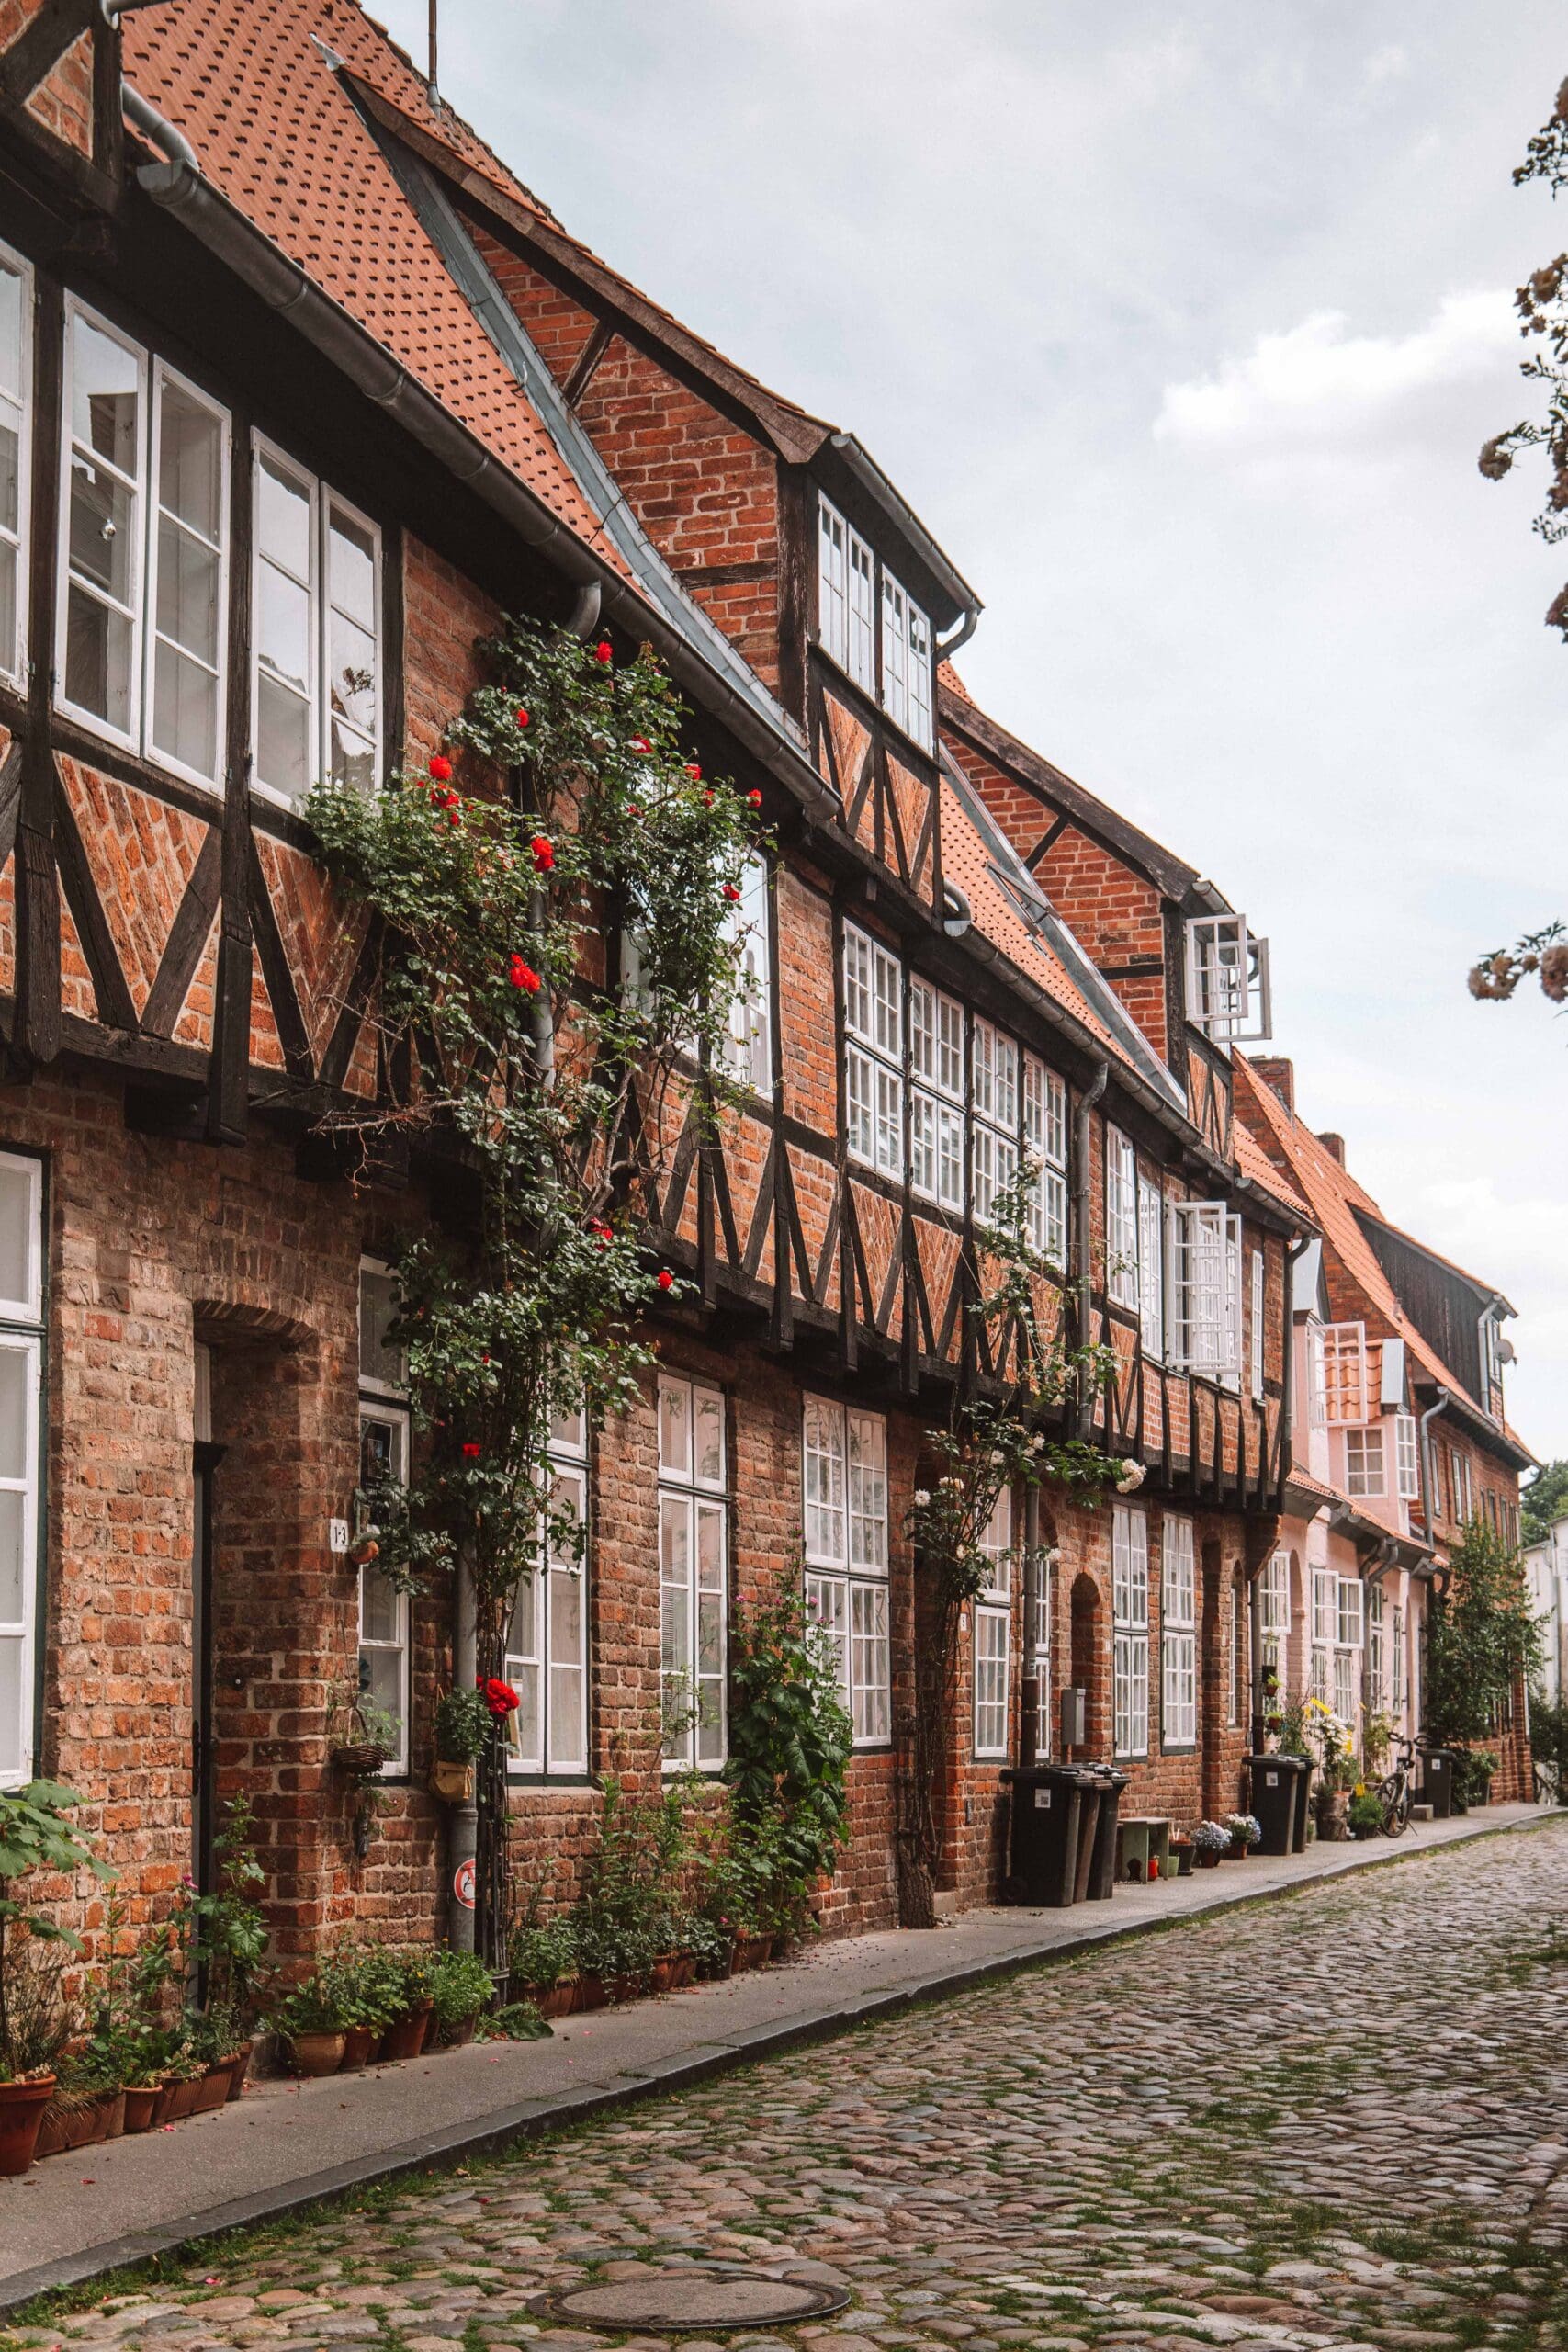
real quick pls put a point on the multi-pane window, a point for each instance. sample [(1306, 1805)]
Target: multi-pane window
[(693, 1570), (1349, 1613), (994, 1135), (845, 596), (1376, 1650), (844, 1481), (1318, 1376), (936, 1095), (1120, 1218), (16, 457), (384, 1606), (143, 574), (383, 1367), (873, 1053), (547, 1640), (1227, 978), (1130, 1611), (1460, 1486), (316, 625), (1179, 1634), (993, 1633), (1239, 1677), (1345, 1685), (1324, 1628), (21, 1359), (1151, 1268), (1205, 1325), (1256, 1349), (1363, 1459), (1408, 1457), (1037, 1661), (1274, 1607), (1045, 1141), (1345, 1371), (1399, 1662), (748, 1043), (906, 663)]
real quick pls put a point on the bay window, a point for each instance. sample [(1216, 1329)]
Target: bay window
[(21, 1363), (993, 1633), (993, 1144), (1179, 1634), (694, 1571), (1120, 1218), (906, 663), (844, 1494), (1130, 1613), (1227, 979), (936, 1095), (143, 571), (1045, 1141), (547, 1639), (316, 634), (845, 598), (873, 1053), (16, 458)]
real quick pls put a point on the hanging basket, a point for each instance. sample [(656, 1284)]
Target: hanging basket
[(361, 1755), (453, 1783)]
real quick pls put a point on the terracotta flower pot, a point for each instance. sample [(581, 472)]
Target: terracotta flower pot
[(21, 2113), (358, 2041), (239, 2068), (558, 2002), (457, 2037), (212, 2090), (317, 2054), (685, 1971), (662, 1975), (589, 1993), (404, 2037), (1235, 1853), (111, 2115), (54, 2130), (182, 2102), (139, 2101), (1206, 1857), (163, 2112), (625, 1988)]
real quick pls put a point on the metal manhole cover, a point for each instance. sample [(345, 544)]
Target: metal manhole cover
[(673, 2301)]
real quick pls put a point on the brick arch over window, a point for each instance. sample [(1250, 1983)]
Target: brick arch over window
[(220, 1322), (1090, 1657)]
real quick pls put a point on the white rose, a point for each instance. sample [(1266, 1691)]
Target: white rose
[(921, 1497)]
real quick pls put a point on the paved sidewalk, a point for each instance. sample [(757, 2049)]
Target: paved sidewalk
[(286, 2144)]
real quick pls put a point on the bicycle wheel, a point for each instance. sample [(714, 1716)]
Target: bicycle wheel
[(1394, 1798)]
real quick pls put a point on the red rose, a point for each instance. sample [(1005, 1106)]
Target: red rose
[(522, 718), (641, 743), (453, 818), (666, 1279), (707, 800), (471, 1451), (441, 767), (544, 854), (500, 1697), (731, 891), (604, 650), (633, 810), (753, 800), (695, 772), (522, 976)]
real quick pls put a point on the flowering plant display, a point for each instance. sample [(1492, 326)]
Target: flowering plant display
[(1334, 1742), (499, 1698), (1244, 1828), (1211, 1837)]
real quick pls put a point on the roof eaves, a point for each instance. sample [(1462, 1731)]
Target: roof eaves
[(1487, 1292), (903, 518)]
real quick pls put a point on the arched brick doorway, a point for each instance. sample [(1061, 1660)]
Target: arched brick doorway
[(1086, 1648)]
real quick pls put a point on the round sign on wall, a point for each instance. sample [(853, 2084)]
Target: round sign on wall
[(463, 1884)]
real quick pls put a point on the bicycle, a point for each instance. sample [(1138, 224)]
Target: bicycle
[(1394, 1792)]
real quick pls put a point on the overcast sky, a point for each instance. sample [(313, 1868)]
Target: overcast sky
[(1180, 326)]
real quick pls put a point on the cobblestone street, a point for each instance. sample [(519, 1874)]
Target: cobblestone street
[(1338, 2119)]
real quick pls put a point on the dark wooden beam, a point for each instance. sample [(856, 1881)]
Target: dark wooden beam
[(117, 1007), (35, 1028), (35, 54), (187, 937), (229, 1090), (586, 366), (1045, 845)]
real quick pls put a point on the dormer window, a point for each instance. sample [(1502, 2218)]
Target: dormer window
[(1227, 980), (848, 597), (906, 663)]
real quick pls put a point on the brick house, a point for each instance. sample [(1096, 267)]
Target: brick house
[(306, 388), (1399, 1440)]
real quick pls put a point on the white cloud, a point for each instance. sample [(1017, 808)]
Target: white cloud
[(1388, 63), (1316, 385)]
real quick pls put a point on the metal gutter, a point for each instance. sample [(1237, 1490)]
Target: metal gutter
[(161, 131)]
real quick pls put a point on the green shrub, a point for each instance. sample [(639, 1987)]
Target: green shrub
[(544, 1955), (460, 1986), (311, 2006), (1366, 1817)]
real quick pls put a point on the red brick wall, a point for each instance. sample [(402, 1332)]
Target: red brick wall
[(62, 102)]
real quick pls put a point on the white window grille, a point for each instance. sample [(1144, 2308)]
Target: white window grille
[(316, 634), (1348, 1620), (693, 1571), (21, 1365), (383, 1364), (748, 1045), (1038, 1662), (1045, 1143), (1204, 1324), (993, 1633), (144, 565), (1130, 1611), (1274, 1607), (16, 458), (1239, 1675), (844, 1493), (1317, 1382), (1364, 1461), (994, 1137), (1227, 979), (546, 1642), (906, 663), (1120, 1218), (844, 597), (1377, 1648), (1179, 1634), (1460, 1486), (873, 1053), (1324, 1605), (1399, 1660), (383, 1607), (1317, 1675), (1344, 1686), (1257, 1328), (1343, 1371), (1151, 1268), (936, 1095)]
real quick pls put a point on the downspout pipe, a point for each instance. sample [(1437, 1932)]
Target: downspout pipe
[(169, 141), (1428, 1473), (1087, 1101)]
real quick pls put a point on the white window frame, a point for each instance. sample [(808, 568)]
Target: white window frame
[(1345, 1694), (561, 1751), (1316, 1377), (844, 1515), (993, 1633), (695, 1500), (1178, 1634), (1045, 1141), (1120, 1218), (936, 1095), (1366, 1466), (1400, 1661), (845, 625), (1274, 1609), (873, 1053), (905, 661), (16, 411), (1228, 995), (382, 1407), (1350, 1630), (994, 1077), (1260, 1292), (1240, 1676), (1202, 1262), (22, 1334), (748, 1045), (324, 502), (1324, 1606), (1461, 1488), (154, 376), (1037, 1659), (1151, 1269), (1130, 1618), (1345, 1384), (1377, 1647)]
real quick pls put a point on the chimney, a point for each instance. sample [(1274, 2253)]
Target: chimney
[(1281, 1077), (1335, 1147)]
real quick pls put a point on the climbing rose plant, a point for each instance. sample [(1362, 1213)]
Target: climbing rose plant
[(557, 956)]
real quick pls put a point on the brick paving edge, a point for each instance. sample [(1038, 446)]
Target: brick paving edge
[(533, 2119)]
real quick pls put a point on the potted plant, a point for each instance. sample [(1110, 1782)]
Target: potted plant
[(1246, 1831), (410, 2022), (1209, 1840), (464, 1726), (1365, 1814), (365, 1737), (460, 1986), (34, 1835), (1181, 1851), (310, 2021), (543, 1960)]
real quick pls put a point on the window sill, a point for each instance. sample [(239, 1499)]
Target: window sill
[(519, 1778)]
